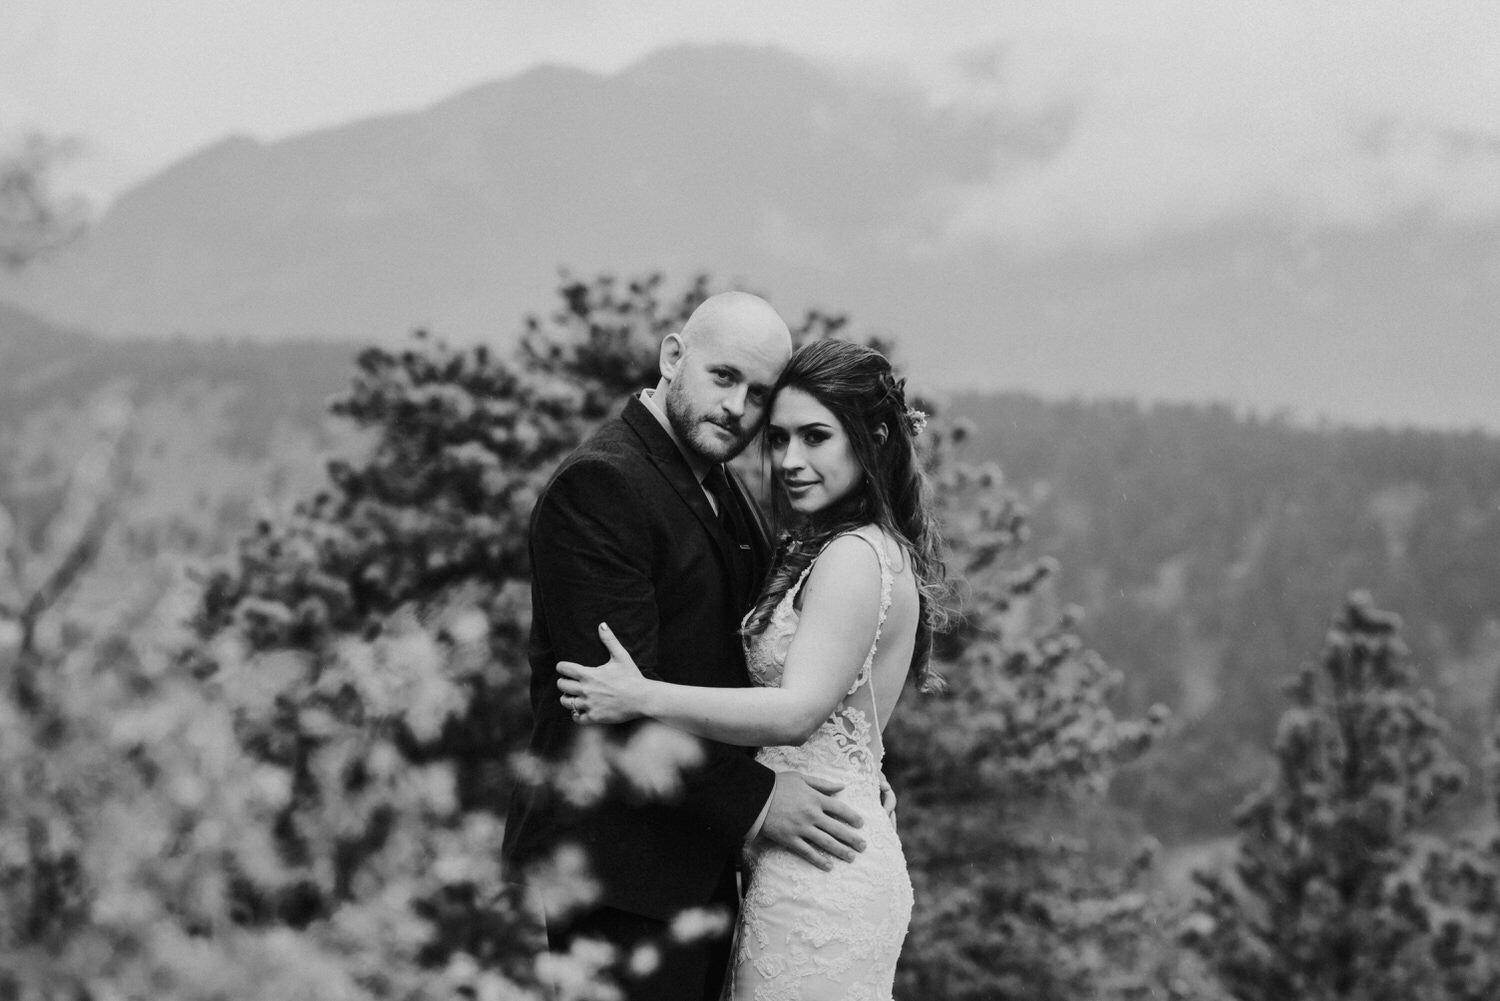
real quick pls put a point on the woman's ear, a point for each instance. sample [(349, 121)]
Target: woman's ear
[(881, 434)]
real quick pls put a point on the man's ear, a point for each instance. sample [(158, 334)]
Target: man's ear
[(670, 357)]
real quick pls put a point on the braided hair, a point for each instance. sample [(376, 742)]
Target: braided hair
[(857, 385)]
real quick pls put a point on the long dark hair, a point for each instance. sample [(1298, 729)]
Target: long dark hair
[(857, 385)]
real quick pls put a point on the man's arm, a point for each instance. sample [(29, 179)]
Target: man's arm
[(592, 562)]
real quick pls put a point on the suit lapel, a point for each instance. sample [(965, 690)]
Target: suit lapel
[(760, 540), (675, 470)]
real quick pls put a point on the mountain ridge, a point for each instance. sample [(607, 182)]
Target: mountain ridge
[(819, 188)]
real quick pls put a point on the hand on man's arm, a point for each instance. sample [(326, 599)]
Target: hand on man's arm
[(592, 553)]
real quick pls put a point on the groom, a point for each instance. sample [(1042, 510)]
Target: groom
[(640, 527)]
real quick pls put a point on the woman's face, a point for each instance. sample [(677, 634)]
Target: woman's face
[(811, 452)]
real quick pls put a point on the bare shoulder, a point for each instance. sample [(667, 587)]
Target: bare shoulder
[(859, 556), (872, 537), (849, 565), (852, 551), (845, 570)]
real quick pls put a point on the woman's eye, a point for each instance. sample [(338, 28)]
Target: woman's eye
[(815, 437)]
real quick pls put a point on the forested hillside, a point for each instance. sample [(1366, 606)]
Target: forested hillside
[(1206, 549), (43, 366), (182, 444)]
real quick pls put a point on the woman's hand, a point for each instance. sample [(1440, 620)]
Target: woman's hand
[(610, 693)]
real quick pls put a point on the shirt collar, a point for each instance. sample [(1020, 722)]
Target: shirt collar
[(695, 463)]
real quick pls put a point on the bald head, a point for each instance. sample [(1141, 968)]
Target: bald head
[(717, 373), (743, 317)]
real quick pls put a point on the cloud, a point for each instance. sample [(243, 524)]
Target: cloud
[(1163, 114), (1182, 114)]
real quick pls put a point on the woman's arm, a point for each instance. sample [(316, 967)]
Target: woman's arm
[(840, 612), (592, 560)]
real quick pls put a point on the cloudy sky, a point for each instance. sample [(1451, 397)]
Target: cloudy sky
[(1328, 111), (1156, 117)]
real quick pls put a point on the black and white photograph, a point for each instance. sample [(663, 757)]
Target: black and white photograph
[(860, 500)]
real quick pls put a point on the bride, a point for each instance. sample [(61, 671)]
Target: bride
[(846, 614)]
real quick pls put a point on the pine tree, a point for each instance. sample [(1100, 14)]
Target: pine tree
[(387, 617), (1337, 893), (436, 514), (363, 659), (462, 442), (1007, 906)]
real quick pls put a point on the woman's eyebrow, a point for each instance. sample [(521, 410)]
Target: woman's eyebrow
[(810, 426)]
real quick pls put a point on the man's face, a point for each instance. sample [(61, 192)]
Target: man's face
[(718, 391)]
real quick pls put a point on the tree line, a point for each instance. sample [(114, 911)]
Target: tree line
[(287, 780)]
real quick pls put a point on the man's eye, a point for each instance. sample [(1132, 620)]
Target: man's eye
[(724, 378)]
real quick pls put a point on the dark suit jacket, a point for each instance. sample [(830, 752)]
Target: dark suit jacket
[(623, 533)]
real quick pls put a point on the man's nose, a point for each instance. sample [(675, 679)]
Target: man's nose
[(734, 403)]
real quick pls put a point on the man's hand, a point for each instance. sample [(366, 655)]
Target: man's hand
[(888, 799), (805, 819)]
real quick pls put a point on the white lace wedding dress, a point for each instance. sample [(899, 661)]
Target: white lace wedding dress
[(805, 934)]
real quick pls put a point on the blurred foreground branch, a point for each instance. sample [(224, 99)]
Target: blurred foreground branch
[(33, 218)]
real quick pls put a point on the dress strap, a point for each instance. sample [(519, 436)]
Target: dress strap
[(887, 582)]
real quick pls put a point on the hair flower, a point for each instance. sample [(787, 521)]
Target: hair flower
[(916, 420)]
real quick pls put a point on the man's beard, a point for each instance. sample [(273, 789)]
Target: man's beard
[(698, 439)]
